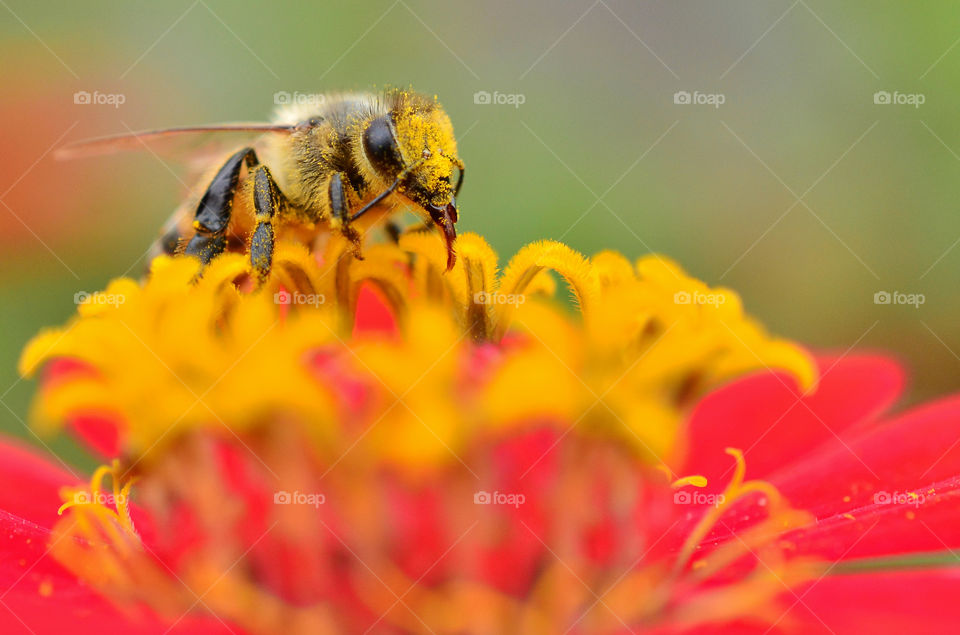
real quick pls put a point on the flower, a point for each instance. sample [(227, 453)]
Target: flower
[(376, 445)]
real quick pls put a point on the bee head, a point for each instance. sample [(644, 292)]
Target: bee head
[(415, 147)]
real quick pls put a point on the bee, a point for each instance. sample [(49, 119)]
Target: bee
[(340, 163)]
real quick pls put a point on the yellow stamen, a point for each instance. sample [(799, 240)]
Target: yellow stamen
[(694, 479), (737, 489), (92, 499)]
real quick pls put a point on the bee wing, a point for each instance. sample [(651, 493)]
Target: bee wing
[(144, 140)]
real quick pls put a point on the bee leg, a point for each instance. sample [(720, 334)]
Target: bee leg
[(340, 192), (268, 201), (215, 208)]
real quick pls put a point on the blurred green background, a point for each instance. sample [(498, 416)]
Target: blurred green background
[(799, 191)]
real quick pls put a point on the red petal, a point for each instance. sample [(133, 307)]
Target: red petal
[(66, 368), (766, 416), (40, 596), (30, 483), (373, 313), (914, 459), (878, 603), (99, 433)]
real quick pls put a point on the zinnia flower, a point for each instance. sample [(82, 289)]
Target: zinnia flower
[(377, 446)]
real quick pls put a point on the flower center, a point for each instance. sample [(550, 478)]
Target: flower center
[(329, 552), (296, 473)]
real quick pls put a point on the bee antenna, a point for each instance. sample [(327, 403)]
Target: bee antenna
[(459, 164)]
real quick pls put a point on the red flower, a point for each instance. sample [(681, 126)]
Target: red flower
[(323, 501), (834, 453)]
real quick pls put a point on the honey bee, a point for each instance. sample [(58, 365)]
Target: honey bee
[(339, 163)]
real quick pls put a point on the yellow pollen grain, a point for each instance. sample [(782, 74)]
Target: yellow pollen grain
[(849, 516), (694, 479), (846, 499), (46, 588), (911, 515)]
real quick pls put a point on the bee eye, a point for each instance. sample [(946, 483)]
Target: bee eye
[(425, 154), (381, 147)]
